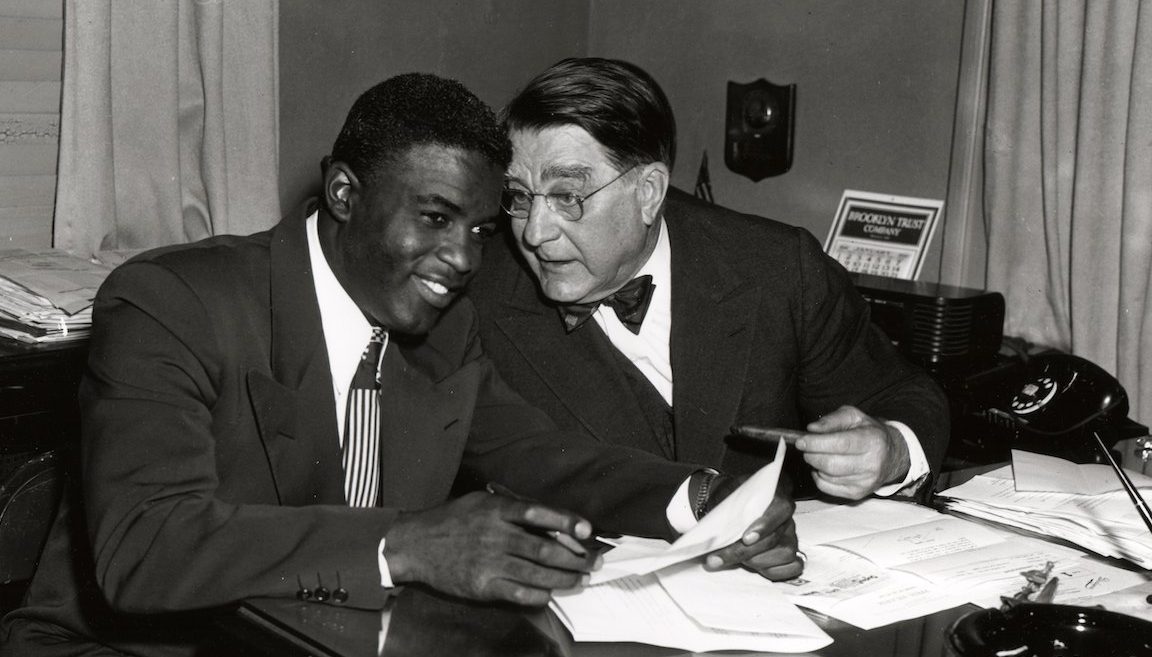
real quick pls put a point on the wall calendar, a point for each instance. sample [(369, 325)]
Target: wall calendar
[(881, 234)]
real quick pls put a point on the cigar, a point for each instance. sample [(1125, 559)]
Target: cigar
[(767, 435)]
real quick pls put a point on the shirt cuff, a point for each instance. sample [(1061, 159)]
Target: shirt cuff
[(679, 510), (917, 464), (385, 574)]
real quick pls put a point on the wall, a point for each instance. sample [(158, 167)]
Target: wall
[(876, 81), (876, 92), (332, 51)]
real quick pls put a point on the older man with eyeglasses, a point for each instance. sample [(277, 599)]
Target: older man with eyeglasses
[(610, 281)]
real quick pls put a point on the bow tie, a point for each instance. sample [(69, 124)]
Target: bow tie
[(630, 303)]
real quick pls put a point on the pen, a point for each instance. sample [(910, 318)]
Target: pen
[(767, 435), (572, 543)]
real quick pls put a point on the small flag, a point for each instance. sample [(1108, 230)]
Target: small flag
[(704, 181)]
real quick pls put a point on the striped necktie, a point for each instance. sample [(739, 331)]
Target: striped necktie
[(361, 457)]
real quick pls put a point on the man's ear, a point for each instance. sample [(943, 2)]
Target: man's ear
[(341, 187), (651, 189)]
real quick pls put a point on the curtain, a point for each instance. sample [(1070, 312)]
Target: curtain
[(1068, 181), (168, 122)]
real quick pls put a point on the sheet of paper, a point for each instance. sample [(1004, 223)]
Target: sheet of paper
[(822, 522), (1081, 581), (943, 537), (999, 565), (638, 609), (723, 526), (737, 600), (851, 588), (1039, 473)]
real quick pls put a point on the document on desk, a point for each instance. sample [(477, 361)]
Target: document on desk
[(722, 526), (852, 587), (686, 607), (994, 571), (654, 592), (855, 590)]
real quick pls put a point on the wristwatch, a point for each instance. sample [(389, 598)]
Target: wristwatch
[(701, 482)]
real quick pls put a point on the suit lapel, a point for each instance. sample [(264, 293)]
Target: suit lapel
[(573, 366), (305, 453), (425, 428), (712, 331)]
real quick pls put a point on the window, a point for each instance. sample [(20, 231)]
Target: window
[(31, 50)]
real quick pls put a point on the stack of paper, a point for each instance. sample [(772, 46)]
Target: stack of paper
[(650, 591), (880, 561), (46, 296), (1081, 504)]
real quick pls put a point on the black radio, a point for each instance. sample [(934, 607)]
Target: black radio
[(940, 327)]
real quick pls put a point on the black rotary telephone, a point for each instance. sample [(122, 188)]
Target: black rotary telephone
[(1055, 400), (1060, 393)]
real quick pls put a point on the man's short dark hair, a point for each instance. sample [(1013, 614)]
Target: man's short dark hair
[(616, 102), (417, 109)]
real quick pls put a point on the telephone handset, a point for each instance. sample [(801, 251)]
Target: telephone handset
[(1060, 393)]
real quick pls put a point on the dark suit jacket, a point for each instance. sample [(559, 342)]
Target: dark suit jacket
[(210, 453), (766, 329)]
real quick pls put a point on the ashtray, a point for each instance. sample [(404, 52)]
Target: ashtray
[(1048, 630)]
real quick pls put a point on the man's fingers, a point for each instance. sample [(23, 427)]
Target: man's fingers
[(774, 519), (774, 548), (490, 547), (844, 487), (766, 552), (534, 575), (548, 548), (841, 419), (844, 442), (836, 465), (780, 572), (566, 529), (542, 517), (509, 591)]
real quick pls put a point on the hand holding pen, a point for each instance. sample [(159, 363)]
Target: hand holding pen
[(485, 546), (580, 543)]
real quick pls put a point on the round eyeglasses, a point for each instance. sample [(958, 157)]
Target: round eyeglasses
[(570, 205)]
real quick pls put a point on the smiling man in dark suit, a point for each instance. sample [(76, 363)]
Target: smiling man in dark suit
[(756, 323), (231, 447)]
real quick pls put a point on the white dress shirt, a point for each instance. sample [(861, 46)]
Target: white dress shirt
[(346, 331)]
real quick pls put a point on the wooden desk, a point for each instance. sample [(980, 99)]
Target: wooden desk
[(421, 622)]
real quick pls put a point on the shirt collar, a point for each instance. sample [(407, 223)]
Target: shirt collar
[(659, 263), (346, 330)]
